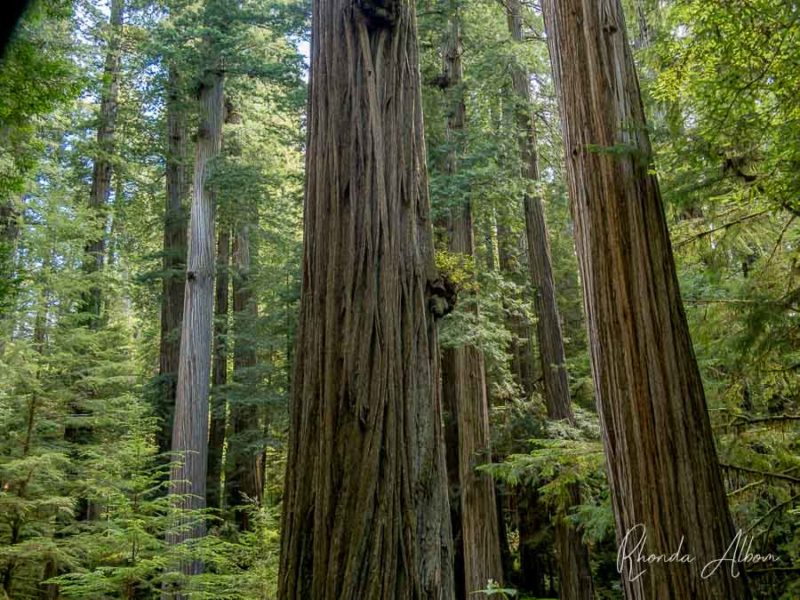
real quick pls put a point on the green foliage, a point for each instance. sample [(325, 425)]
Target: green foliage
[(495, 590), (83, 508)]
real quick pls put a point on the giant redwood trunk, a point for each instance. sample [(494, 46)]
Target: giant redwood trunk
[(244, 474), (661, 460), (190, 428), (477, 542), (219, 371), (575, 575), (174, 262), (101, 170), (366, 514)]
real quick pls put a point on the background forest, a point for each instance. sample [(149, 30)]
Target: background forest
[(102, 123)]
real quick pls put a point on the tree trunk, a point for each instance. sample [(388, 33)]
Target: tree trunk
[(91, 303), (520, 348), (662, 465), (174, 265), (476, 530), (245, 480), (643, 37), (9, 240), (101, 171), (574, 570), (534, 545), (365, 504), (219, 373), (190, 429)]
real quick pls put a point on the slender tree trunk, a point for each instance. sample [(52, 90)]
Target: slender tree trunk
[(101, 172), (245, 467), (91, 304), (365, 504), (520, 348), (174, 265), (464, 380), (643, 37), (190, 428), (575, 574), (219, 372), (9, 239), (662, 465)]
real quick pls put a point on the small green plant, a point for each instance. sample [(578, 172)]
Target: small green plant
[(493, 590)]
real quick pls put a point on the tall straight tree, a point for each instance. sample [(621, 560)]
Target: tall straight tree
[(661, 461), (575, 575), (475, 528), (78, 430), (366, 513), (190, 427), (219, 370), (244, 473), (520, 347), (174, 261), (101, 170)]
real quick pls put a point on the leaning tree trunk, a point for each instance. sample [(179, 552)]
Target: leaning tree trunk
[(174, 279), (101, 171), (244, 475), (662, 465), (365, 513), (475, 527), (574, 570), (219, 372), (190, 429)]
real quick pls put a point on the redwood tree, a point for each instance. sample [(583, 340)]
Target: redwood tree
[(575, 575), (190, 427), (245, 465), (475, 526), (174, 262), (365, 512), (661, 461), (101, 169), (219, 371)]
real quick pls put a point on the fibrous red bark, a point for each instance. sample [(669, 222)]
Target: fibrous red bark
[(366, 514), (661, 460)]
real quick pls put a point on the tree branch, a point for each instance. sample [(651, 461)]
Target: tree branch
[(767, 474)]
